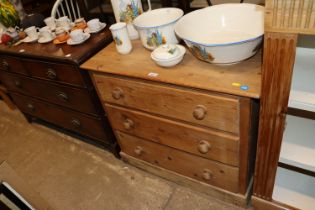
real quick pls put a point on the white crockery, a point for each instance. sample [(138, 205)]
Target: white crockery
[(64, 22), (88, 30), (32, 32), (86, 36), (50, 22), (77, 35), (121, 37), (156, 27), (94, 24), (223, 34), (168, 61)]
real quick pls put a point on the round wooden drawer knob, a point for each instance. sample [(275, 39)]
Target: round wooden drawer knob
[(76, 123), (31, 107), (200, 112), (51, 74), (204, 147), (117, 93), (5, 65), (63, 96), (128, 124), (139, 150), (207, 174)]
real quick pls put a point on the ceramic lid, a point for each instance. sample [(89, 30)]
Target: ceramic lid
[(166, 51)]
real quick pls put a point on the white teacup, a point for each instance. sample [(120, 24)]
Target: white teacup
[(94, 24), (46, 33), (50, 22), (32, 32), (63, 22), (77, 35)]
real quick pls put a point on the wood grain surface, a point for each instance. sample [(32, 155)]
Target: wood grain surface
[(223, 147), (222, 111), (184, 163), (279, 56), (190, 73)]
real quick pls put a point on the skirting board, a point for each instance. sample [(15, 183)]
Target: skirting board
[(226, 196), (261, 204)]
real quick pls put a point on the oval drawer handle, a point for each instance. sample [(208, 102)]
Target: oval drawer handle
[(128, 124), (51, 73), (31, 107), (200, 112), (5, 65), (117, 93), (63, 96), (139, 150), (204, 146), (76, 123), (207, 174), (18, 83)]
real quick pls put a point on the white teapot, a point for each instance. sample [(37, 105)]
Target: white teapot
[(127, 11)]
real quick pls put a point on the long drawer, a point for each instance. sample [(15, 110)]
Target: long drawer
[(80, 123), (199, 168), (62, 73), (199, 141), (215, 111), (70, 97), (12, 64)]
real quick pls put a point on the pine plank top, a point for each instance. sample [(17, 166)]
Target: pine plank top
[(191, 72)]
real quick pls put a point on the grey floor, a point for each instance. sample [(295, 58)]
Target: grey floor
[(70, 174)]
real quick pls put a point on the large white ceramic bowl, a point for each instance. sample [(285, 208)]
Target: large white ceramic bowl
[(156, 27), (223, 34)]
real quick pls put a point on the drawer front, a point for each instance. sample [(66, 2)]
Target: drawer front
[(65, 118), (203, 142), (73, 98), (12, 64), (63, 73), (199, 168), (215, 111)]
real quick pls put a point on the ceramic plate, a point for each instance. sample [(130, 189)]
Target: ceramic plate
[(102, 26), (86, 37), (30, 40), (43, 40)]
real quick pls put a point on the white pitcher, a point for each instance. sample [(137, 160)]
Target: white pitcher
[(127, 11)]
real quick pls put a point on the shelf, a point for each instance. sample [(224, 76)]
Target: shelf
[(294, 189), (298, 145), (302, 95)]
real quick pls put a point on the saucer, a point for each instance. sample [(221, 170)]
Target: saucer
[(44, 40), (86, 37), (102, 26), (30, 40)]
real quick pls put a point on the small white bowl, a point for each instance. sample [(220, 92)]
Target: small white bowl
[(168, 62)]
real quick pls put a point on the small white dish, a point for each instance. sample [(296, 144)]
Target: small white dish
[(88, 30), (86, 37), (30, 40), (169, 62), (44, 40)]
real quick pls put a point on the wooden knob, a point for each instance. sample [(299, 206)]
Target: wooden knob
[(117, 93), (63, 96), (139, 150), (76, 123), (207, 174), (5, 65), (18, 83), (200, 112), (51, 74), (31, 107), (128, 124), (204, 147)]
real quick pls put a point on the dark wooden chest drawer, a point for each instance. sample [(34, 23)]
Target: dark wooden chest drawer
[(12, 64), (77, 122), (71, 97), (210, 144), (62, 73), (199, 168)]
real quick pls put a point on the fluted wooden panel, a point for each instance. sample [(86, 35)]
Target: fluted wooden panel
[(290, 16), (279, 55)]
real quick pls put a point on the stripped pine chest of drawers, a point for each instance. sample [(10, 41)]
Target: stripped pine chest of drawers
[(192, 124)]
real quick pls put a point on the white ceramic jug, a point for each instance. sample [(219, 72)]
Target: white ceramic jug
[(127, 11)]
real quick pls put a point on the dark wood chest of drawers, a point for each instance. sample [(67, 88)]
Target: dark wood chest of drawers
[(46, 83)]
